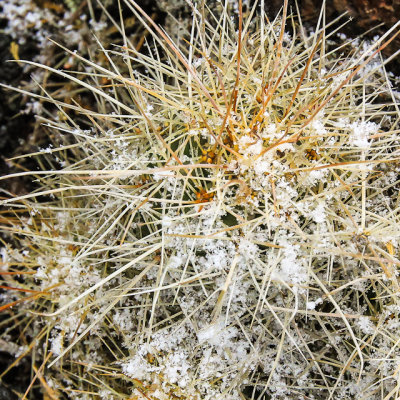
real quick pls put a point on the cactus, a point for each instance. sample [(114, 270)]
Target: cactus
[(221, 225)]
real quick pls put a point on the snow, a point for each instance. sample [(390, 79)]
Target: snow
[(158, 176), (291, 268), (4, 259), (360, 133), (57, 345), (319, 214), (211, 333), (310, 305), (366, 325)]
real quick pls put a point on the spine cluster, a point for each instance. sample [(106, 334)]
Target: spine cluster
[(223, 224)]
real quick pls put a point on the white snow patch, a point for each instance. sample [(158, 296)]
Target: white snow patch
[(366, 325), (360, 133)]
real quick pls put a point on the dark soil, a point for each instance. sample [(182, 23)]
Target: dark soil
[(15, 126), (17, 380)]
